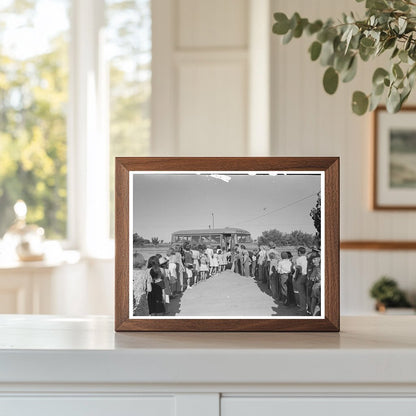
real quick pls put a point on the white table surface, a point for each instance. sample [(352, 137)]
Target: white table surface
[(36, 348)]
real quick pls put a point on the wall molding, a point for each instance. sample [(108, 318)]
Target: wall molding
[(377, 245)]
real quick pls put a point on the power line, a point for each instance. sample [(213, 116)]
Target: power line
[(277, 209)]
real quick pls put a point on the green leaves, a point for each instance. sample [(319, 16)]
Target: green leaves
[(359, 103), (397, 71), (393, 100), (348, 34), (315, 50), (367, 48), (314, 27), (379, 75), (330, 80), (376, 4), (339, 44), (351, 71), (327, 54), (281, 27), (403, 56)]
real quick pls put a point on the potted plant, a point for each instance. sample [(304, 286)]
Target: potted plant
[(389, 27), (387, 294)]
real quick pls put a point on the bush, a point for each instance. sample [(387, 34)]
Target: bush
[(386, 291)]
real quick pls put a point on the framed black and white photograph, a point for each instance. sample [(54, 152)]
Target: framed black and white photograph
[(394, 178), (200, 247)]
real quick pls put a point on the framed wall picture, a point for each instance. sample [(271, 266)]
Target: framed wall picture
[(394, 179), (227, 244)]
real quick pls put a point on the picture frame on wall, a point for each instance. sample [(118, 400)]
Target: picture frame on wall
[(394, 165), (227, 244)]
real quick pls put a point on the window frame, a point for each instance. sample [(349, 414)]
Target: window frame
[(88, 133)]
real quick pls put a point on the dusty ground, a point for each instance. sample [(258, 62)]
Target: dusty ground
[(228, 294)]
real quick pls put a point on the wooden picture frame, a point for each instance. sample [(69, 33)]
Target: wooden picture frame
[(129, 168), (394, 184)]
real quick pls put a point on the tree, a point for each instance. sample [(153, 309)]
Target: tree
[(138, 241), (389, 26), (295, 238), (316, 216), (155, 241), (274, 236)]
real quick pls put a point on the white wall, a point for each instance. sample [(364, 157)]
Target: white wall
[(308, 122), (200, 77)]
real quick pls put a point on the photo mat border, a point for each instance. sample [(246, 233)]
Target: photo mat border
[(329, 165)]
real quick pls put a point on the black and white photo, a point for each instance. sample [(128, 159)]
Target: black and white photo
[(226, 245)]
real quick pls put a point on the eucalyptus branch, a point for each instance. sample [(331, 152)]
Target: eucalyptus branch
[(389, 25)]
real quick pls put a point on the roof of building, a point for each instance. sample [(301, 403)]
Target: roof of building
[(227, 230)]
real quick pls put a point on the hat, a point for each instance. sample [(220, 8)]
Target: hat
[(163, 260)]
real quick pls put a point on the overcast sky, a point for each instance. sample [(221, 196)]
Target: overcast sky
[(164, 203)]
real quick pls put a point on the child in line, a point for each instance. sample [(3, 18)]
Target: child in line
[(222, 261), (273, 276), (284, 267), (215, 264), (180, 270), (299, 285), (203, 267), (209, 252), (188, 263), (164, 264), (195, 261), (315, 278), (172, 272), (155, 297)]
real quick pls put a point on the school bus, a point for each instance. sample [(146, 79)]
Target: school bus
[(223, 237)]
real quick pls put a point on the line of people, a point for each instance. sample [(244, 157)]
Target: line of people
[(291, 281), (163, 278)]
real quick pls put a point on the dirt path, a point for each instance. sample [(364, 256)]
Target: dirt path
[(228, 294)]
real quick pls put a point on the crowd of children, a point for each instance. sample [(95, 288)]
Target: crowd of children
[(162, 278), (291, 281)]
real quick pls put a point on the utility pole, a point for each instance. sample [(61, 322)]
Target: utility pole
[(213, 224)]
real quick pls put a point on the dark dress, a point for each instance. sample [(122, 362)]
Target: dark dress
[(155, 297)]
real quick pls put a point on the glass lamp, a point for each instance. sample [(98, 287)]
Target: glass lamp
[(26, 241)]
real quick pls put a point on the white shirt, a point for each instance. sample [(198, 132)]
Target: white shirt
[(303, 263), (284, 266), (209, 252)]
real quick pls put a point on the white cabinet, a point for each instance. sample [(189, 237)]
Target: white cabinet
[(51, 365), (324, 406), (88, 406)]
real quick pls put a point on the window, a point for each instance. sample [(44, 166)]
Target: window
[(129, 45), (33, 104), (74, 93), (243, 239)]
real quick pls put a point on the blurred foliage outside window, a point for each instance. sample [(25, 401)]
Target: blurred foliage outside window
[(129, 51), (33, 101), (34, 68)]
